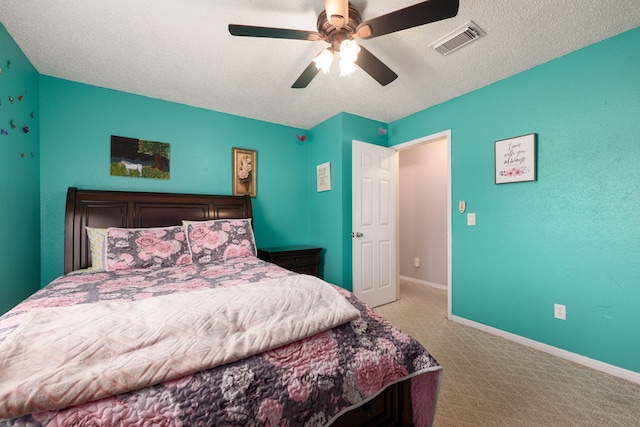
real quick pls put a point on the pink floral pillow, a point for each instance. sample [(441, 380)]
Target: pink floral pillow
[(218, 240), (129, 248)]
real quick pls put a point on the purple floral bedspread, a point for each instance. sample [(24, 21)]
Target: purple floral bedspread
[(306, 383)]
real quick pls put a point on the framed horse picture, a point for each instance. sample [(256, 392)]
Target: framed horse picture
[(139, 158)]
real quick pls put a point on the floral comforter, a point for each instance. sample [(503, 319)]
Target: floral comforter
[(307, 383)]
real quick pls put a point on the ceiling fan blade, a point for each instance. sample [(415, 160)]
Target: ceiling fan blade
[(273, 33), (307, 75), (374, 67), (409, 17), (337, 12)]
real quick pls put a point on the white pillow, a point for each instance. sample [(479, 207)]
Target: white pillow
[(96, 247)]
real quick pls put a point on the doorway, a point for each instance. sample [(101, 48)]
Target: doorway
[(424, 211)]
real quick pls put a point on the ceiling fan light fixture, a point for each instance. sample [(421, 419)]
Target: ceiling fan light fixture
[(340, 22), (348, 56), (349, 50), (323, 60), (347, 68)]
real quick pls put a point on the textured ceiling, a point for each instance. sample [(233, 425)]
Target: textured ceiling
[(181, 51)]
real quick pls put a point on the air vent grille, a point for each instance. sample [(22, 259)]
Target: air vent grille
[(458, 38)]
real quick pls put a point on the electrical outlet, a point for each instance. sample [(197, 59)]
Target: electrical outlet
[(560, 311), (416, 262)]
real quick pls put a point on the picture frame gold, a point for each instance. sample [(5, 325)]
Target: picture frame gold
[(244, 172)]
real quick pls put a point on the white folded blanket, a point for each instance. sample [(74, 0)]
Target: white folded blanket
[(64, 356)]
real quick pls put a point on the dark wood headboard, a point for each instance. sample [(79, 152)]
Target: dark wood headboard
[(96, 208)]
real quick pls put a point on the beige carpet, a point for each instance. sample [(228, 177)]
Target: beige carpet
[(490, 381)]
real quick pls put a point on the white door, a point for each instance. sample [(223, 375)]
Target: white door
[(374, 223)]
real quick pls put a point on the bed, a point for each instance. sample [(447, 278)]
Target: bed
[(344, 366)]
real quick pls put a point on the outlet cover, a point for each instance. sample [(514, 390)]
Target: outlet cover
[(560, 311)]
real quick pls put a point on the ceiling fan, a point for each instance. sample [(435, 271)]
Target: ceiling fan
[(340, 24)]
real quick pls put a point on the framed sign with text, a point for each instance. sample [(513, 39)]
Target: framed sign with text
[(515, 159), (323, 174)]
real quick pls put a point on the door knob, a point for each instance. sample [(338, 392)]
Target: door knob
[(357, 234)]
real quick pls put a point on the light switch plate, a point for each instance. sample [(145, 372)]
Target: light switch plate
[(471, 218)]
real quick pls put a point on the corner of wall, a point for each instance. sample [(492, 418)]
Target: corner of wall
[(19, 174)]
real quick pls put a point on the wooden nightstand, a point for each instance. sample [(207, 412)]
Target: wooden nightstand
[(301, 259)]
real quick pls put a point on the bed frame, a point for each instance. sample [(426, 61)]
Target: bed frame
[(97, 208)]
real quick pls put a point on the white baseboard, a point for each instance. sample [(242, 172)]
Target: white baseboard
[(424, 282), (563, 354)]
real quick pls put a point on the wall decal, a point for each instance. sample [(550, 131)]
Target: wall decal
[(139, 158), (301, 138), (13, 115)]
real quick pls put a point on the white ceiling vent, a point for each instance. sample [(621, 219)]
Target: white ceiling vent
[(462, 36)]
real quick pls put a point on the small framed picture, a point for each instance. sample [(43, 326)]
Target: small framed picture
[(515, 159), (244, 171), (323, 175)]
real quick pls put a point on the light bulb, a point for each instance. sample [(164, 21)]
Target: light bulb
[(346, 68), (348, 56), (323, 60)]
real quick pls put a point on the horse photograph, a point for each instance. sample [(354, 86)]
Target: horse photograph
[(139, 158)]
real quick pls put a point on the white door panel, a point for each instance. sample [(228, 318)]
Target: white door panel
[(374, 223)]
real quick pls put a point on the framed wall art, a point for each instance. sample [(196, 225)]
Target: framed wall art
[(140, 158), (515, 159), (323, 176), (244, 172)]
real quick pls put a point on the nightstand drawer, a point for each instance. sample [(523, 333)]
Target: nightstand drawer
[(301, 259), (293, 260)]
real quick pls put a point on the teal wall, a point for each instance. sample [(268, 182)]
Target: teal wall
[(330, 211), (19, 175), (77, 121), (325, 208), (573, 236)]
